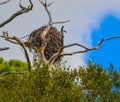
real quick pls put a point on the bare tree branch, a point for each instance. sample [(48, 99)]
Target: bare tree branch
[(115, 37), (8, 38), (13, 72), (47, 10), (23, 10), (16, 40), (5, 48), (5, 2), (50, 23), (86, 49), (60, 22), (24, 36)]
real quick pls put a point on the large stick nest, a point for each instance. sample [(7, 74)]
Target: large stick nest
[(54, 41)]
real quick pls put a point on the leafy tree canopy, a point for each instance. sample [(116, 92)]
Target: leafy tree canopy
[(85, 84), (12, 65)]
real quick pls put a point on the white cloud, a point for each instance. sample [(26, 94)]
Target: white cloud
[(85, 15)]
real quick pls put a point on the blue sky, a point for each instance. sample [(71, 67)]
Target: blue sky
[(110, 50)]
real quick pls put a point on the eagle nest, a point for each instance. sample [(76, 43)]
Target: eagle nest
[(54, 41)]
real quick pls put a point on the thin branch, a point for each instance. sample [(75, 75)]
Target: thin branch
[(56, 55), (47, 10), (5, 48), (115, 37), (8, 38), (86, 49), (13, 72), (24, 36), (50, 23), (59, 53), (75, 44), (61, 22), (20, 12), (5, 2), (16, 40)]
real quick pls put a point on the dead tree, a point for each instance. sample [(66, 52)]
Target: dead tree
[(14, 39), (47, 41)]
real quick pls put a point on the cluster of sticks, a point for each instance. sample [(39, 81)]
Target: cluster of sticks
[(46, 41), (54, 41)]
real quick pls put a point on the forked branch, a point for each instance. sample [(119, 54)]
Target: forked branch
[(16, 40), (86, 49), (20, 12), (51, 22), (46, 5)]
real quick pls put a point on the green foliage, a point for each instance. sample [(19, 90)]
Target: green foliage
[(100, 85), (12, 65), (85, 84)]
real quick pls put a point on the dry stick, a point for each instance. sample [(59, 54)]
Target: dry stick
[(105, 39), (60, 22), (5, 48), (23, 10), (13, 72), (16, 40), (86, 49), (5, 2), (8, 38), (24, 36)]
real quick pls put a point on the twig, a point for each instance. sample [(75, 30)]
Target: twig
[(5, 2), (13, 72), (8, 38), (61, 22), (24, 36), (5, 48), (23, 10), (86, 49), (47, 10), (115, 37)]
